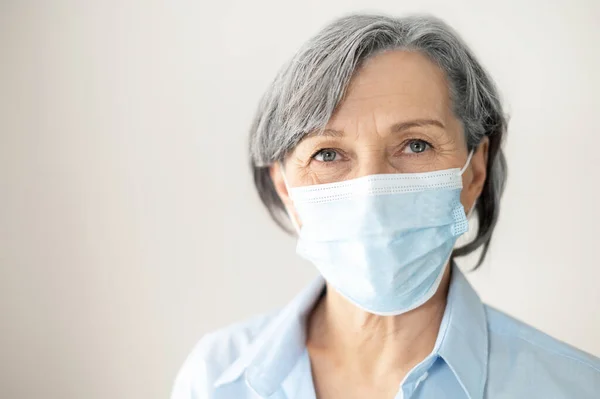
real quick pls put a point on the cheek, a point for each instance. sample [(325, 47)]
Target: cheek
[(298, 172), (302, 173)]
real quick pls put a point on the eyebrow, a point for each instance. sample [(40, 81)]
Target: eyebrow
[(396, 127), (401, 126), (326, 133)]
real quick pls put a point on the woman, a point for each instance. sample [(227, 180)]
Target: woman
[(374, 140)]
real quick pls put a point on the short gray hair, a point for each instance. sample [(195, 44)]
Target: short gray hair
[(305, 93)]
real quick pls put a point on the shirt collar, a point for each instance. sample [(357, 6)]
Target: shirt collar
[(463, 337), (271, 357), (462, 341)]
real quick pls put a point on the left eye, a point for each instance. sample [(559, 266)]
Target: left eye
[(417, 146), (326, 155)]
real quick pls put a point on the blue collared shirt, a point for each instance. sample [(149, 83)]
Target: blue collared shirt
[(479, 353)]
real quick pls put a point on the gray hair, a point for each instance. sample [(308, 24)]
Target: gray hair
[(307, 90)]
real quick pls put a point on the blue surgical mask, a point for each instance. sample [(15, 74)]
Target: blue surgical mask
[(382, 241)]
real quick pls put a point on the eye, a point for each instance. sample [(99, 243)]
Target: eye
[(326, 155), (417, 146)]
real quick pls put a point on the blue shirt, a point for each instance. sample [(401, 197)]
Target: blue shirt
[(479, 353)]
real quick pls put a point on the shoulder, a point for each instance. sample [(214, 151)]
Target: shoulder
[(525, 361), (213, 354), (221, 347)]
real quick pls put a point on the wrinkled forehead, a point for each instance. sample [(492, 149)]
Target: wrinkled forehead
[(394, 87)]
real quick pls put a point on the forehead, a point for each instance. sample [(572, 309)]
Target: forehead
[(399, 84)]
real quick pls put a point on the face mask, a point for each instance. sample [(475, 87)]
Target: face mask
[(382, 241)]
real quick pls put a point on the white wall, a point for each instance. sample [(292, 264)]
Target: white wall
[(128, 221)]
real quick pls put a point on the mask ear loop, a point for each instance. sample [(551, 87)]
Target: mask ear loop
[(287, 187), (472, 210), (467, 163), (461, 173)]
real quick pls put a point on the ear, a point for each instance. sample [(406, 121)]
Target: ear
[(475, 175), (276, 172), (277, 176)]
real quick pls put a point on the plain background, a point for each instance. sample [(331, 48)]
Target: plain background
[(129, 225)]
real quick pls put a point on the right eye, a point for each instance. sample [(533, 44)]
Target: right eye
[(326, 155)]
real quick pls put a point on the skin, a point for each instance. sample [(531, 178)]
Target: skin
[(396, 117)]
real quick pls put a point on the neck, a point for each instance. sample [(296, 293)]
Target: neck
[(375, 346)]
